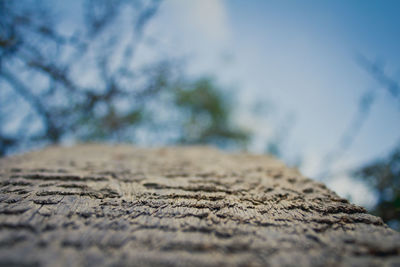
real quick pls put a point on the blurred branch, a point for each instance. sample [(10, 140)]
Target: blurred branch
[(383, 176), (362, 113), (84, 85), (141, 22), (349, 135), (379, 75), (52, 132)]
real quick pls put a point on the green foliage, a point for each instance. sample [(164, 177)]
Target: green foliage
[(107, 126), (383, 176), (44, 71), (207, 113)]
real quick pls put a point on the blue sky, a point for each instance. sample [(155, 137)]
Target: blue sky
[(302, 56), (295, 60)]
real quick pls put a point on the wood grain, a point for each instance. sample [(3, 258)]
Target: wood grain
[(99, 205)]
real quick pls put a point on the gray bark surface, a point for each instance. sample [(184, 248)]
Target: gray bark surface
[(95, 205)]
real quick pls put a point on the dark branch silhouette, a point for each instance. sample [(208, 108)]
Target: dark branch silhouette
[(84, 84)]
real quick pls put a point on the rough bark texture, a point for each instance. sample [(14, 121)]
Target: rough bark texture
[(118, 205)]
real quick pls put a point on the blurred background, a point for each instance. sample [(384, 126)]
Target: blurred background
[(315, 83)]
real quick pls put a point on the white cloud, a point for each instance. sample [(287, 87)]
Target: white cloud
[(341, 182), (202, 19), (356, 191)]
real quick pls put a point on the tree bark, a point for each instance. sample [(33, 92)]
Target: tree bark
[(101, 205)]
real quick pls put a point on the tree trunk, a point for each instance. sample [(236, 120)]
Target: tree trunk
[(120, 205)]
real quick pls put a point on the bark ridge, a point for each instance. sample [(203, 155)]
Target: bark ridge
[(96, 205)]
